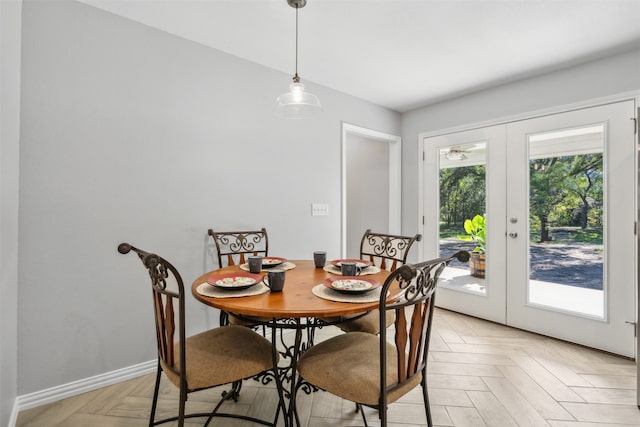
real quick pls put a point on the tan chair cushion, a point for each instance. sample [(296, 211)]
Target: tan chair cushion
[(369, 323), (221, 356), (349, 367)]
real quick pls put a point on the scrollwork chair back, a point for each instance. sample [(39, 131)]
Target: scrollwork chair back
[(234, 246), (388, 251)]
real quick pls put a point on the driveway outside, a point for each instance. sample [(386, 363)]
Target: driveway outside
[(573, 264)]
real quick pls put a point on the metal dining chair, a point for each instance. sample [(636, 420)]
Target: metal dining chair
[(235, 246), (387, 251), (220, 356), (232, 248), (372, 370)]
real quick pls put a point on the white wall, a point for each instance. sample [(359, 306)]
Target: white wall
[(10, 29), (131, 134), (597, 79)]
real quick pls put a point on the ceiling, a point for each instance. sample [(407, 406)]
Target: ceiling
[(401, 54)]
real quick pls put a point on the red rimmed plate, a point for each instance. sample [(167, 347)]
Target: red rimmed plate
[(271, 261), (362, 263), (351, 284), (234, 281)]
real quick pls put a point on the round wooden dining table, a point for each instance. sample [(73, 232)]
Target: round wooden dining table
[(295, 307), (296, 299)]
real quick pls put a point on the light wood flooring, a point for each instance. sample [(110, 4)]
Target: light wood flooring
[(480, 374)]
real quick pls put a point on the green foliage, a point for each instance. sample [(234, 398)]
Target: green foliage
[(565, 191), (590, 235), (450, 230), (462, 193), (567, 235), (476, 229)]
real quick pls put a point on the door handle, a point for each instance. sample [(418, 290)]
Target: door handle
[(513, 234)]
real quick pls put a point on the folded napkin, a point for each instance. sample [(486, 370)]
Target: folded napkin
[(287, 265), (211, 291), (372, 269), (323, 292)]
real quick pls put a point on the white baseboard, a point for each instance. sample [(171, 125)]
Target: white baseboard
[(75, 388)]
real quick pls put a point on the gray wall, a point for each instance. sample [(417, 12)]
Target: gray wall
[(131, 134), (10, 29), (613, 75)]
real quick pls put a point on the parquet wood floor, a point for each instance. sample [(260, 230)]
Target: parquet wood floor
[(480, 374)]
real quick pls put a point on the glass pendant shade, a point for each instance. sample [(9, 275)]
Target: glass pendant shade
[(297, 104)]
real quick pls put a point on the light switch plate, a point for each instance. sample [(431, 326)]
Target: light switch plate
[(319, 209)]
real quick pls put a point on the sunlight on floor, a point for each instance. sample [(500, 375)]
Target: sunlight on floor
[(575, 299), (459, 279), (568, 298)]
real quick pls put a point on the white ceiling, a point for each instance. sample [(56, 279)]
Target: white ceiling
[(401, 54)]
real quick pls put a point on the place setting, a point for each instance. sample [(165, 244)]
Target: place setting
[(353, 289), (242, 284), (351, 267), (256, 264), (232, 285)]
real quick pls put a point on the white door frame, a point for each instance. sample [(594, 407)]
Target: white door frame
[(395, 178)]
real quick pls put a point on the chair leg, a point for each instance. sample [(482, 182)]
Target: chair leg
[(156, 389), (361, 409), (382, 412), (181, 409), (425, 396)]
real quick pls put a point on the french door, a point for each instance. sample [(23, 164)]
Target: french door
[(558, 196), (465, 170)]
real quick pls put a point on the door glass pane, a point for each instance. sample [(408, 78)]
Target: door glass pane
[(462, 184), (566, 220)]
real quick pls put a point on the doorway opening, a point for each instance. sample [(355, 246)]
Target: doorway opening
[(363, 202)]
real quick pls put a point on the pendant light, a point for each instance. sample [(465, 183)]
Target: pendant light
[(297, 104)]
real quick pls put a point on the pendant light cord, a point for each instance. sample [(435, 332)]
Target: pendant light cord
[(296, 76)]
